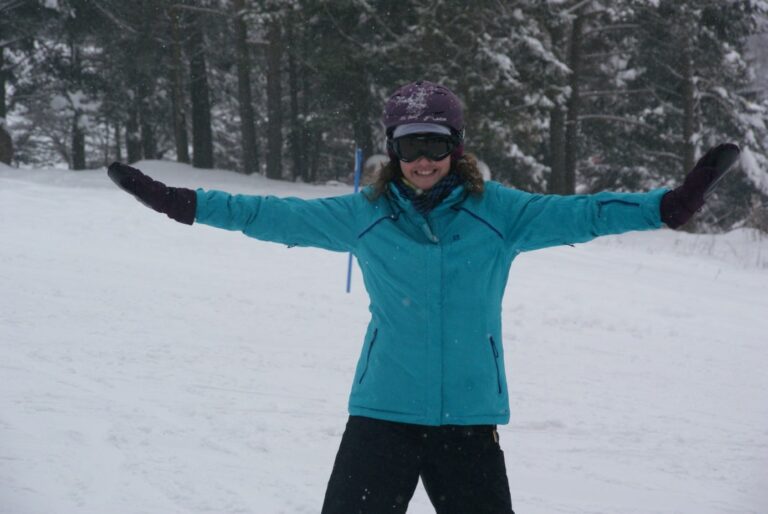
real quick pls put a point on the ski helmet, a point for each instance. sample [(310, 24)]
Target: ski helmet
[(423, 102)]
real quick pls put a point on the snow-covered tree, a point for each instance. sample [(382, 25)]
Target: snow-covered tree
[(561, 96), (690, 56)]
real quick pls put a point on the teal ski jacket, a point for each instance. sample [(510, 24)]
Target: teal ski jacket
[(433, 351)]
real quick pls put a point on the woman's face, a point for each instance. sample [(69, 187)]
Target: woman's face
[(424, 173)]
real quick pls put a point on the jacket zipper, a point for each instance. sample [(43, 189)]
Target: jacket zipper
[(368, 357), (496, 362)]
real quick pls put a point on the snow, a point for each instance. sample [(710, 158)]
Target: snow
[(515, 152), (152, 367), (538, 49), (754, 171), (733, 57), (625, 76), (59, 102), (504, 63)]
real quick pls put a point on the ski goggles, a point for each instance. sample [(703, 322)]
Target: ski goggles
[(434, 147)]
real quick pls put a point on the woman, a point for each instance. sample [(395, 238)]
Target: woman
[(435, 243)]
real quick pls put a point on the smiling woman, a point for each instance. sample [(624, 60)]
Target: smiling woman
[(434, 243), (424, 173), (425, 133)]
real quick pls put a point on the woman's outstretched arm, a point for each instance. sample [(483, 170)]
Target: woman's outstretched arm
[(537, 221), (327, 223)]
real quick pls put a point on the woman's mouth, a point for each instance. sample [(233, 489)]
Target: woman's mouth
[(425, 173)]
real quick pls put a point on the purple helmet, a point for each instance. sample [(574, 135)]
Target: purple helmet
[(424, 102)]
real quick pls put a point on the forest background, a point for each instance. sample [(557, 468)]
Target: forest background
[(566, 96)]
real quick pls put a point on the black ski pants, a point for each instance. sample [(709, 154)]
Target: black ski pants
[(379, 463)]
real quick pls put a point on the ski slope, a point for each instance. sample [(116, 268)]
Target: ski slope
[(151, 367)]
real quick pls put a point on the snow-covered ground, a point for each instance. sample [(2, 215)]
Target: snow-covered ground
[(150, 367)]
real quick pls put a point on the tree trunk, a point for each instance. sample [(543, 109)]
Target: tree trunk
[(6, 143), (78, 143), (274, 102), (250, 153), (3, 105), (148, 144), (688, 107), (107, 143), (362, 133), (146, 83), (556, 183), (202, 133), (78, 137), (361, 124), (177, 91), (574, 105), (299, 166), (6, 146), (118, 147), (132, 137), (304, 133), (315, 138)]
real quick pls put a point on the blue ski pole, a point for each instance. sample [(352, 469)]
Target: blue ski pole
[(358, 169)]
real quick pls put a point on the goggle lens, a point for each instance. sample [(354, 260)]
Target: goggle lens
[(435, 148)]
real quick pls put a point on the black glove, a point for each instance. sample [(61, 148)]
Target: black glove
[(679, 205), (178, 203)]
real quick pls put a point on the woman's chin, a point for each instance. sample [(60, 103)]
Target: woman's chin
[(424, 182)]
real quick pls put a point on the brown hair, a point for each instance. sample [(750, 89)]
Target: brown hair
[(465, 167)]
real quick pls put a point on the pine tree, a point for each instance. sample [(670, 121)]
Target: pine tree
[(690, 57)]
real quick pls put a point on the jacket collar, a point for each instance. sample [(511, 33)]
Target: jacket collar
[(400, 203)]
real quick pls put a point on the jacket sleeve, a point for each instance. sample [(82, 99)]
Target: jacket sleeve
[(536, 221), (327, 223)]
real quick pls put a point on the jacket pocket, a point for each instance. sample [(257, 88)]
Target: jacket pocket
[(368, 356), (496, 362)]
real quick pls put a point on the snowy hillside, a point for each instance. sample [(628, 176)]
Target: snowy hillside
[(150, 367)]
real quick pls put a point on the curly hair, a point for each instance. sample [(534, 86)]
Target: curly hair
[(466, 167)]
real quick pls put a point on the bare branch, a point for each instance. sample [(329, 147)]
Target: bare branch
[(606, 28), (666, 90), (603, 55), (617, 119), (616, 92), (671, 70), (200, 9), (372, 12), (10, 5), (339, 30), (111, 17), (573, 8), (668, 155)]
